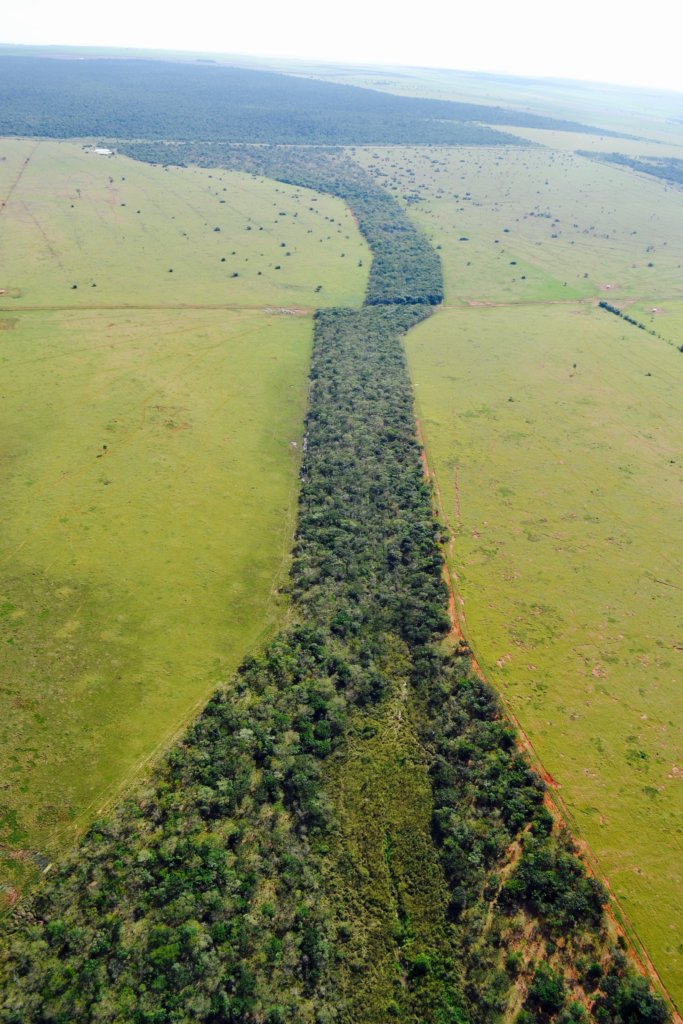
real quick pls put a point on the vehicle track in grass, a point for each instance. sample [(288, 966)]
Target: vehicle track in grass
[(10, 192)]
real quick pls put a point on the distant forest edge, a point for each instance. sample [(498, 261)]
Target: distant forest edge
[(667, 168), (143, 99)]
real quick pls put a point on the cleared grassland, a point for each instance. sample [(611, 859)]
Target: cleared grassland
[(556, 438), (148, 458), (149, 496), (653, 114), (538, 225), (126, 233), (555, 433)]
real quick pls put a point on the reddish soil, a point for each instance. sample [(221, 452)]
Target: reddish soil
[(456, 491), (554, 802), (10, 897)]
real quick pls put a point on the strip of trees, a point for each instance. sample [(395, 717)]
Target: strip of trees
[(202, 897)]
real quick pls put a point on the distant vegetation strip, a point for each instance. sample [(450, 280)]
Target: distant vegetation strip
[(667, 168), (615, 311), (147, 99), (212, 894)]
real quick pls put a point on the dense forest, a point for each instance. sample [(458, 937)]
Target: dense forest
[(348, 832), (142, 99)]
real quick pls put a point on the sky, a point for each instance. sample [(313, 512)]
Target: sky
[(596, 40)]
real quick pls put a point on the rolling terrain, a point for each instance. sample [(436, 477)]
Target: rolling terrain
[(356, 798)]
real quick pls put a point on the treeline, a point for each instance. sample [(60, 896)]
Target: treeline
[(405, 267), (155, 99), (529, 919), (200, 898), (668, 168), (212, 893), (615, 311)]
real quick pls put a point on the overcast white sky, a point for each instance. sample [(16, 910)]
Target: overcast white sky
[(601, 40)]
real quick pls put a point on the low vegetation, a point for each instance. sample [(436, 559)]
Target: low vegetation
[(405, 268), (101, 659), (91, 231), (552, 428), (615, 311)]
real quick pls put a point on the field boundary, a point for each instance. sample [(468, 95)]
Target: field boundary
[(237, 307), (458, 636)]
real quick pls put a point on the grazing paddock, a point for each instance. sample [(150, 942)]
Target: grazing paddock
[(126, 233), (554, 430), (150, 438), (149, 497)]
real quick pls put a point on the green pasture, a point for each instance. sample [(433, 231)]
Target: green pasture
[(126, 234), (149, 467), (150, 432), (522, 225), (556, 436), (663, 316), (555, 432)]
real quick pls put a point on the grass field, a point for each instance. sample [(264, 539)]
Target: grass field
[(149, 486), (571, 141), (148, 457), (127, 233), (538, 225), (556, 438), (555, 433)]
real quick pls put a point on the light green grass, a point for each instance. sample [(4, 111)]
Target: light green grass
[(133, 577), (383, 873), (73, 217), (562, 428), (643, 112), (663, 316), (575, 228), (149, 455)]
